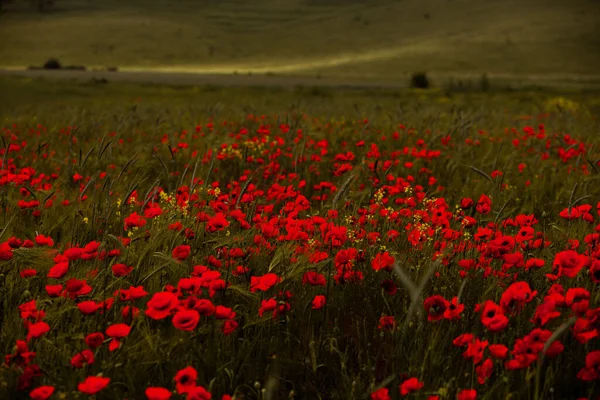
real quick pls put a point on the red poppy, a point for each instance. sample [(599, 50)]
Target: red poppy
[(383, 261), (182, 252), (94, 340), (515, 297), (120, 270), (498, 351), (318, 302), (217, 223), (186, 320), (484, 371), (222, 312), (263, 283), (73, 253), (493, 317), (467, 394), (484, 205), (198, 393), (41, 393), (161, 305), (185, 380), (569, 263), (435, 307), (28, 273), (93, 384), (118, 331), (381, 394), (42, 240), (591, 371), (59, 270), (313, 278), (157, 393), (229, 326), (595, 271), (454, 309), (84, 357), (37, 330), (134, 221), (387, 323), (5, 252), (578, 300), (410, 385)]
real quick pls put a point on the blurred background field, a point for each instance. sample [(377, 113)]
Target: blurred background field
[(539, 41)]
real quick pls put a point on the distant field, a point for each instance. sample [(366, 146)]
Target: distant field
[(380, 39)]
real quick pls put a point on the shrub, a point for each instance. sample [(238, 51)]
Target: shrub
[(419, 80), (52, 63)]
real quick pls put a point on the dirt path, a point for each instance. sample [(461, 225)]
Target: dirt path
[(199, 77)]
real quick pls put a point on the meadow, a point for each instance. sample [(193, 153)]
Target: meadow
[(305, 243), (530, 40)]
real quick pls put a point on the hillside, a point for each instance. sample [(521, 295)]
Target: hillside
[(366, 39)]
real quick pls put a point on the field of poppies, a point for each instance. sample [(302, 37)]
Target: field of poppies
[(445, 249)]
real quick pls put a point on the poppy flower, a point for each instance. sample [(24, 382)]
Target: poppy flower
[(381, 394), (493, 317), (484, 205), (94, 340), (229, 326), (37, 330), (515, 297), (84, 357), (28, 273), (118, 331), (161, 305), (263, 283), (595, 271), (185, 380), (410, 385), (454, 309), (73, 253), (591, 371), (157, 393), (484, 371), (389, 287), (216, 223), (569, 263), (467, 394), (120, 270), (134, 221), (42, 240), (93, 384), (318, 302), (435, 307), (88, 307), (204, 307), (578, 300), (59, 270), (5, 252), (383, 261), (186, 320), (463, 340), (198, 393), (180, 253), (498, 351), (41, 393), (313, 278), (222, 312), (387, 323)]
